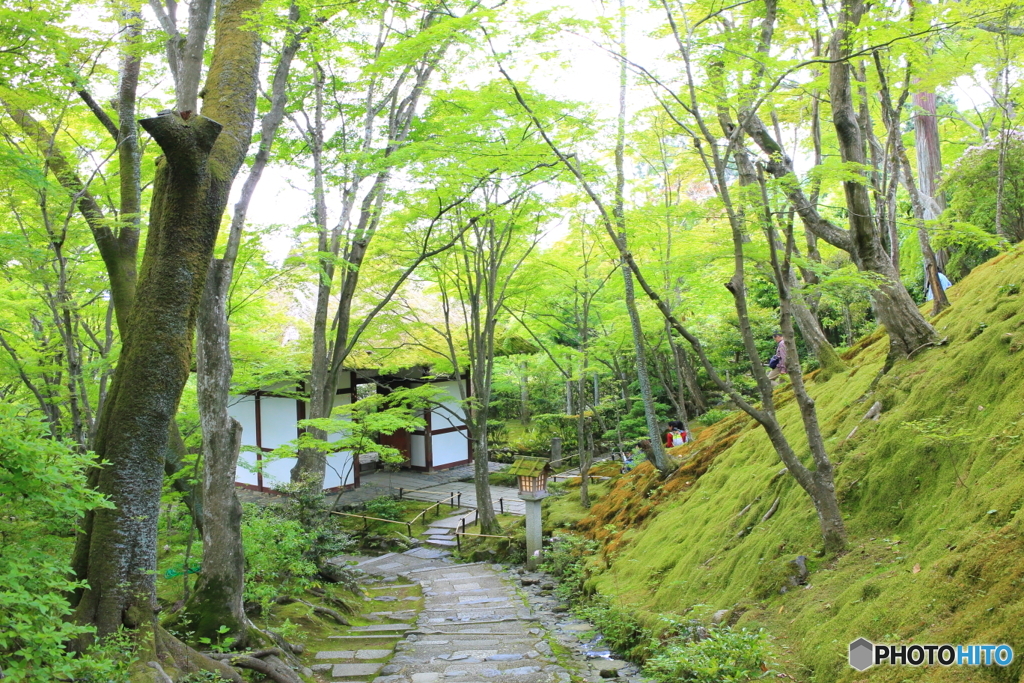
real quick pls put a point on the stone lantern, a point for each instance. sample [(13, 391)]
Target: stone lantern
[(533, 488)]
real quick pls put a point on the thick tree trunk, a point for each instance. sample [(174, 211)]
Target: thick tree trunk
[(151, 373), (217, 600), (190, 192)]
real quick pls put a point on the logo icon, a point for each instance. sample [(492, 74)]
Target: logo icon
[(861, 654)]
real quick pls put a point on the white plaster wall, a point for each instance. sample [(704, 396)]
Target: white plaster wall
[(340, 400), (417, 448), (277, 420), (449, 448), (243, 409), (277, 472), (339, 464), (450, 413), (243, 475)]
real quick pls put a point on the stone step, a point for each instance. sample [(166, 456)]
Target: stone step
[(355, 670), (382, 627), (372, 636), (441, 542), (353, 654)]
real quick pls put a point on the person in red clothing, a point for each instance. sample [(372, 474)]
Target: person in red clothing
[(676, 434)]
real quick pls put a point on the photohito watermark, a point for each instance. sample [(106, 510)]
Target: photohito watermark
[(864, 654)]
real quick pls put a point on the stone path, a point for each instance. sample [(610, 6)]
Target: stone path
[(435, 486), (477, 625)]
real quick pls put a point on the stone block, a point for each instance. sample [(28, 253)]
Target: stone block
[(349, 670)]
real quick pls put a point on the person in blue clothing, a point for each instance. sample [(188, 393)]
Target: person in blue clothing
[(943, 280), (778, 361)]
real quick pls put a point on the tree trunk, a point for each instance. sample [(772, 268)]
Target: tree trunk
[(190, 193), (918, 201), (658, 456), (151, 373), (907, 328), (217, 599), (657, 453), (828, 359)]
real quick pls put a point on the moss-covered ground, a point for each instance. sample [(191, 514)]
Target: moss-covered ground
[(931, 494)]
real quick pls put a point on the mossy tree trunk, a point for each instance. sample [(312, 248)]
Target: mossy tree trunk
[(907, 328), (201, 157), (217, 599), (151, 373)]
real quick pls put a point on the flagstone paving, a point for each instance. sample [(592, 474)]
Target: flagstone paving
[(479, 623)]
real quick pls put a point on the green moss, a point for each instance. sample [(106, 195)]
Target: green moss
[(936, 545)]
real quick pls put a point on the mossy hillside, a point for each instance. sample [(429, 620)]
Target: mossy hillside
[(930, 493)]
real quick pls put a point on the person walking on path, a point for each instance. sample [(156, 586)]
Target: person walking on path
[(778, 361)]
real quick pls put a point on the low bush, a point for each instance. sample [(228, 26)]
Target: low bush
[(567, 559), (724, 656), (43, 492), (621, 627), (385, 507), (277, 558), (503, 478), (712, 416)]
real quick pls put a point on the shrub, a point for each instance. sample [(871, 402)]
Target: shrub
[(308, 505), (503, 478), (385, 507), (567, 559), (276, 555), (725, 656), (712, 416), (622, 629), (43, 492)]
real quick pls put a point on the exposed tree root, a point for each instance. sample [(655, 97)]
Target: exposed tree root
[(317, 609), (266, 662), (161, 674), (188, 660)]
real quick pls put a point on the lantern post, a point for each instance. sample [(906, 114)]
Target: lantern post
[(533, 488)]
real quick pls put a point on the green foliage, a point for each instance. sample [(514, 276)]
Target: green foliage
[(277, 558), (385, 507), (308, 505), (43, 492), (712, 416), (724, 656), (621, 627), (568, 559), (503, 478), (972, 185)]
